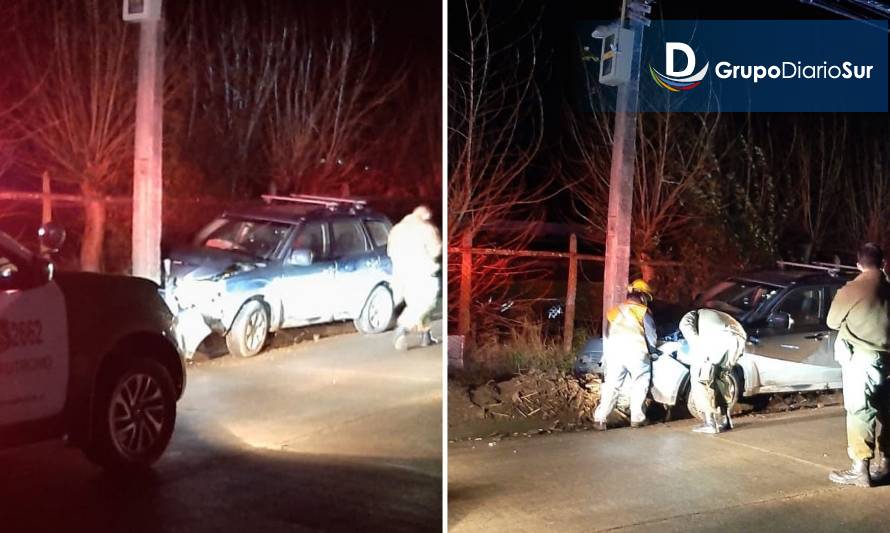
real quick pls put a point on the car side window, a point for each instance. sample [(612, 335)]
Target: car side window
[(311, 237), (803, 307), (348, 238), (379, 232)]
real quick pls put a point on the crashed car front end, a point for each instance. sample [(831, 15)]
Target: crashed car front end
[(205, 305)]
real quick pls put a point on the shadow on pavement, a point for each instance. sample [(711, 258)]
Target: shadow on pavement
[(210, 482), (464, 498)]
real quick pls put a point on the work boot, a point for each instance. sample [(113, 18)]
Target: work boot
[(426, 339), (708, 427), (400, 339), (639, 423), (880, 471), (725, 423), (599, 426), (857, 475)]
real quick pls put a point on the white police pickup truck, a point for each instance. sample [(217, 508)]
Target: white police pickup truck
[(86, 357)]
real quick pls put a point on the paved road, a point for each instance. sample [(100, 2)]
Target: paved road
[(342, 434), (770, 474)]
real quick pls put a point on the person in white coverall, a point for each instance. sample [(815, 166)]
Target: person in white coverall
[(716, 340), (414, 246), (628, 343)]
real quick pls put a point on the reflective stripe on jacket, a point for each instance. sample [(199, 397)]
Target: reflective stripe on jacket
[(631, 326)]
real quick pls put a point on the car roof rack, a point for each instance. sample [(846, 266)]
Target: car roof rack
[(326, 201), (836, 266), (357, 202), (829, 268)]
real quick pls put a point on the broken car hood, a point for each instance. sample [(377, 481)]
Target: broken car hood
[(208, 263)]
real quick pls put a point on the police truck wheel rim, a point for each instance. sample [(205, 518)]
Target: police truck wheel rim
[(379, 309), (137, 414), (255, 333)]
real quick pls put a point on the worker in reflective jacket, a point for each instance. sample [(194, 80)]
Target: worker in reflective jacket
[(716, 340), (628, 342)]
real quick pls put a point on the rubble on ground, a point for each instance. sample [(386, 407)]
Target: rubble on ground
[(545, 395), (540, 402), (778, 403)]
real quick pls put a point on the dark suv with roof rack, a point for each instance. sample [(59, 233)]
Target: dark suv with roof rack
[(790, 348), (291, 261)]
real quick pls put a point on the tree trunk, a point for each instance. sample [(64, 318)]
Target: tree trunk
[(807, 251), (93, 231), (647, 270)]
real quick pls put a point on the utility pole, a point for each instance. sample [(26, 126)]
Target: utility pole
[(618, 229), (147, 165)]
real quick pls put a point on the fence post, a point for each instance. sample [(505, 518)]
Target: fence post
[(569, 328), (46, 200), (466, 288)]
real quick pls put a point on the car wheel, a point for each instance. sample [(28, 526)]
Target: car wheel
[(135, 412), (736, 386), (249, 331), (377, 315)]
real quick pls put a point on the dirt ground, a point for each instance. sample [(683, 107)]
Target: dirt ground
[(536, 402)]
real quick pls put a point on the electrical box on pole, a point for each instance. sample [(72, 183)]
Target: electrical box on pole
[(139, 10), (615, 62), (147, 164), (624, 48)]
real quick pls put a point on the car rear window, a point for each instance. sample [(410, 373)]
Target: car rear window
[(379, 231)]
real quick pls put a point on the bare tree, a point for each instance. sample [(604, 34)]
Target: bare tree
[(494, 134), (412, 147), (325, 105), (867, 209), (820, 172), (80, 122), (233, 57), (675, 154)]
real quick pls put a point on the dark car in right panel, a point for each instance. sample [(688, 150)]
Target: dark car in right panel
[(790, 348)]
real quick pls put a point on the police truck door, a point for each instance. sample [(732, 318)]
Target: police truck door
[(33, 338)]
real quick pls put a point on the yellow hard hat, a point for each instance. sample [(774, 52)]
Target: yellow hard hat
[(641, 286)]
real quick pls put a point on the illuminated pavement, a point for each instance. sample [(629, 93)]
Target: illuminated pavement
[(342, 434), (770, 474)]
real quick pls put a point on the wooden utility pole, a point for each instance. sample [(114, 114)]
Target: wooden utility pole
[(571, 291), (617, 267), (147, 165)]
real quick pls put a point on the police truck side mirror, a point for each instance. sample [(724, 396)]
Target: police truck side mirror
[(51, 237)]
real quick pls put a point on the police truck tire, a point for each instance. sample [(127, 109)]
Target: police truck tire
[(134, 415), (250, 330), (378, 312)]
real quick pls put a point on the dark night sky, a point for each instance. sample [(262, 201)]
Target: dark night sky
[(561, 80)]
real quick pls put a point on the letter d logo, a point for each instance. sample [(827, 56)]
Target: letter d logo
[(670, 50), (678, 80)]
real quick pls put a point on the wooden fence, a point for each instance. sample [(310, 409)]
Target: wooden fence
[(467, 251)]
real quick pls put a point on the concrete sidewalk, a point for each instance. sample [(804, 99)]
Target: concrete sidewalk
[(769, 474)]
